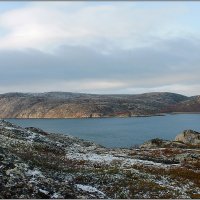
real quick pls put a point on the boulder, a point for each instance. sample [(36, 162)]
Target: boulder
[(155, 143), (189, 137), (160, 143)]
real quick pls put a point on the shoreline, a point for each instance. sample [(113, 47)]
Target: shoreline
[(108, 117)]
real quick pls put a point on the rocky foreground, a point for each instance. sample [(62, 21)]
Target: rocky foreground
[(37, 164)]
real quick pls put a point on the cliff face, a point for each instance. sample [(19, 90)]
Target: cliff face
[(74, 105), (38, 165)]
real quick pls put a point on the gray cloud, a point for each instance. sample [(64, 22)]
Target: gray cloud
[(169, 62)]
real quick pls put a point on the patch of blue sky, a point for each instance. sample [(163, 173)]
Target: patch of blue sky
[(10, 5), (3, 32)]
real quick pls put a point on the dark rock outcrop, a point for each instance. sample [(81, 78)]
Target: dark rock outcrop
[(159, 143)]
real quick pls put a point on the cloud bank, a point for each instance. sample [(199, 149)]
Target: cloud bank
[(97, 47)]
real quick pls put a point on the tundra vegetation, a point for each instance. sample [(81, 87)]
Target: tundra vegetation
[(37, 164)]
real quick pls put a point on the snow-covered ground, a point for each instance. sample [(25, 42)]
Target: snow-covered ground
[(108, 159)]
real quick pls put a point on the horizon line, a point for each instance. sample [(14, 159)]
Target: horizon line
[(96, 93)]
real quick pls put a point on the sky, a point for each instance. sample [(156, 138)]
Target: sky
[(100, 47)]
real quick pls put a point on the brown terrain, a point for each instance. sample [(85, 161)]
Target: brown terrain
[(79, 105)]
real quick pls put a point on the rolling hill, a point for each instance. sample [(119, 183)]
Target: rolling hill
[(80, 105)]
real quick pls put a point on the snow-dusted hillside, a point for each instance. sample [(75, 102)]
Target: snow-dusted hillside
[(79, 105)]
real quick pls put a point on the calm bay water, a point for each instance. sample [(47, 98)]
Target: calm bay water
[(118, 132)]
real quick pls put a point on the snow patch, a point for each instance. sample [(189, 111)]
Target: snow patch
[(90, 189), (9, 128), (43, 191), (146, 162), (35, 173), (32, 136), (55, 196), (108, 158)]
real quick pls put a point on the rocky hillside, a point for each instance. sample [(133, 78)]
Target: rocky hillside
[(37, 164), (190, 105), (76, 105)]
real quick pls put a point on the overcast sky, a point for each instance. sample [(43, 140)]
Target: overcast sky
[(100, 47)]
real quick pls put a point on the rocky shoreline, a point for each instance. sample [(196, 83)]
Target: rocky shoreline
[(37, 164), (103, 117)]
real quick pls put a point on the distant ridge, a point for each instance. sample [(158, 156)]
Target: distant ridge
[(81, 105)]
